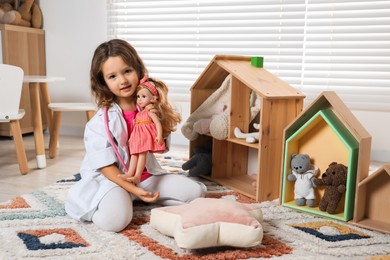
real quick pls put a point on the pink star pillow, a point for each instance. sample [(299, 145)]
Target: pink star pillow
[(207, 222)]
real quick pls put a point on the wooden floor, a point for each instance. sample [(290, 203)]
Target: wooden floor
[(67, 163)]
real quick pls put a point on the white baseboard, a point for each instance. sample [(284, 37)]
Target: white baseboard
[(381, 156)]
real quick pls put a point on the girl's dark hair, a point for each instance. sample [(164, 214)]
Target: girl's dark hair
[(112, 48)]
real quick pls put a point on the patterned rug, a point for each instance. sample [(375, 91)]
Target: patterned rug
[(35, 226)]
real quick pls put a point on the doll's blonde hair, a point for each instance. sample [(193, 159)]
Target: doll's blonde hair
[(167, 114)]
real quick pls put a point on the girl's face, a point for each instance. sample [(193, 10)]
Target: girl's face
[(144, 97), (120, 78)]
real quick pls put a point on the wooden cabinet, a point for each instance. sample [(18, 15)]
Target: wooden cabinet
[(23, 47), (280, 104)]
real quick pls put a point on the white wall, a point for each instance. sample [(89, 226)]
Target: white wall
[(378, 125), (73, 30)]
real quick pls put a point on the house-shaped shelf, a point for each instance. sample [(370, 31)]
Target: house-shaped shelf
[(328, 132), (326, 140), (280, 104), (372, 207)]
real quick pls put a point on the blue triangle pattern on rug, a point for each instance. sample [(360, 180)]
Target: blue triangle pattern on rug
[(75, 178), (33, 243), (331, 238)]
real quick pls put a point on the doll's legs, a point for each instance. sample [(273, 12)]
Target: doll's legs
[(114, 211), (141, 162), (137, 166), (132, 165), (174, 189)]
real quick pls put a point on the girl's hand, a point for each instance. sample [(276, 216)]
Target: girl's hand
[(159, 139), (113, 173), (146, 196), (130, 178), (151, 108)]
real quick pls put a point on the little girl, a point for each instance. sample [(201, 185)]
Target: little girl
[(104, 195), (147, 133)]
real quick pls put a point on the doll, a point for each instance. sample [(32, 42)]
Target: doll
[(149, 131)]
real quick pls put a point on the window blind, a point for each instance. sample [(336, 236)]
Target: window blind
[(347, 49), (312, 45)]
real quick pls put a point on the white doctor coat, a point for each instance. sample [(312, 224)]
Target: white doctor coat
[(85, 195)]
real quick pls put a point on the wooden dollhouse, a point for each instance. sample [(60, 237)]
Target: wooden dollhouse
[(280, 104), (372, 201), (329, 132)]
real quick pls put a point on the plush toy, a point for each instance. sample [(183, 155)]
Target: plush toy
[(249, 137), (4, 8), (335, 180), (209, 111), (28, 14), (200, 163), (219, 124), (303, 174), (253, 177), (212, 116), (216, 125)]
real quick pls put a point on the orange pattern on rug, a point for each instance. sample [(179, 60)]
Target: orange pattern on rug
[(269, 247)]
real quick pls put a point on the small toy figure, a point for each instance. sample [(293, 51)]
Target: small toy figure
[(251, 138), (201, 162), (147, 135), (335, 180), (303, 176)]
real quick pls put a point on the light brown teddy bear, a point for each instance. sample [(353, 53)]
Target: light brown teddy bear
[(335, 181), (27, 14)]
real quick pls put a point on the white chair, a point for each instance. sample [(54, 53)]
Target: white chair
[(11, 82), (57, 109)]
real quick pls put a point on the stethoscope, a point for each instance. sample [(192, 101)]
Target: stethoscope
[(111, 140)]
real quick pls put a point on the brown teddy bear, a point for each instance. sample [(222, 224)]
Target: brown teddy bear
[(26, 14), (335, 180)]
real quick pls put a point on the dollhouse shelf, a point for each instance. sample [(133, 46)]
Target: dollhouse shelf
[(240, 141), (280, 104), (328, 132), (326, 140), (372, 207)]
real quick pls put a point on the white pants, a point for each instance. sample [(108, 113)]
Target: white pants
[(115, 210)]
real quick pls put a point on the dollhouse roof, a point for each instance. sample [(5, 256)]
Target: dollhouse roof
[(383, 171), (372, 209), (331, 101), (260, 80)]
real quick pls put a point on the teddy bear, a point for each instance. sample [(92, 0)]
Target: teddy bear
[(216, 125), (200, 163), (4, 8), (335, 180), (303, 174), (27, 14)]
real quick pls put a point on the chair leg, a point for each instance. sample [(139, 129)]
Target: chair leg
[(54, 133), (44, 89), (19, 145)]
